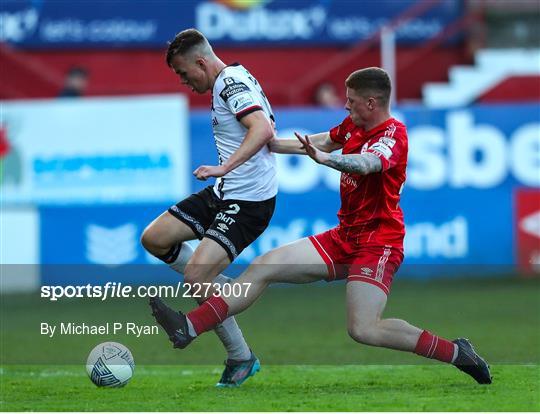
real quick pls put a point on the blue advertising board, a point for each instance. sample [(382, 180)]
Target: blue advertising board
[(464, 167), (83, 24), (82, 244)]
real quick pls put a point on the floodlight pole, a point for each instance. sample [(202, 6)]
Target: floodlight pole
[(388, 57)]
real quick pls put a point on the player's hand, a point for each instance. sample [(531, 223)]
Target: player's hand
[(206, 171), (317, 155)]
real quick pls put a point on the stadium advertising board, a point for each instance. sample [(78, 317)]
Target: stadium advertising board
[(95, 150), (98, 235), (464, 168), (64, 23), (99, 243), (19, 249), (527, 229)]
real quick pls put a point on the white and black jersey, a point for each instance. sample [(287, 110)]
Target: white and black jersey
[(237, 93)]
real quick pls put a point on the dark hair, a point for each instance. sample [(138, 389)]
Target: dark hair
[(183, 42), (373, 81)]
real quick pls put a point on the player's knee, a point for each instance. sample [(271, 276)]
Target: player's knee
[(262, 269), (364, 333), (150, 241), (153, 243), (198, 273), (192, 273)]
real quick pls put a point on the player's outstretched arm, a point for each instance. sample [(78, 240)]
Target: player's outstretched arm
[(350, 163), (259, 133), (354, 163), (292, 146)]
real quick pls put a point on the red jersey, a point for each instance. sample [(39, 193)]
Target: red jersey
[(370, 213)]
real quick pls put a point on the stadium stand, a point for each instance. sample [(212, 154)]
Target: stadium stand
[(38, 72), (499, 75)]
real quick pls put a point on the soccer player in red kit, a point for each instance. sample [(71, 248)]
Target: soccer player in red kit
[(366, 247)]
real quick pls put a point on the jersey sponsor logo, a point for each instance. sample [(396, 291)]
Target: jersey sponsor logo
[(232, 89), (241, 101), (381, 149), (390, 142), (347, 136)]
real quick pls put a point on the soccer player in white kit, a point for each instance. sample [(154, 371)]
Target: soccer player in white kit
[(232, 213)]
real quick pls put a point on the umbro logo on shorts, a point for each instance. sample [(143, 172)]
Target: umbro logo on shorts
[(366, 271), (222, 227)]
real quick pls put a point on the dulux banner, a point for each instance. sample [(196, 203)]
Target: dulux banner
[(464, 167), (83, 24), (93, 150)]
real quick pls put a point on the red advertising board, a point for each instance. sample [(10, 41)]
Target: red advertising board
[(527, 230)]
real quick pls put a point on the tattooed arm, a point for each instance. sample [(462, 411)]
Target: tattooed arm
[(351, 163), (354, 163)]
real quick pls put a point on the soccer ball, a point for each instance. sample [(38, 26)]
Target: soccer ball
[(110, 364)]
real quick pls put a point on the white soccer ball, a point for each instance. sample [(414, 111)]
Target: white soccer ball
[(110, 364)]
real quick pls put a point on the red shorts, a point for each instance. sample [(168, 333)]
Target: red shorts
[(371, 264)]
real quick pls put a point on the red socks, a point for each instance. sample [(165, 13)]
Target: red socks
[(214, 311), (435, 347), (208, 315)]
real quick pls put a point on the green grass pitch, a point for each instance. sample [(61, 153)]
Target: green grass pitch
[(308, 361), (276, 388)]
